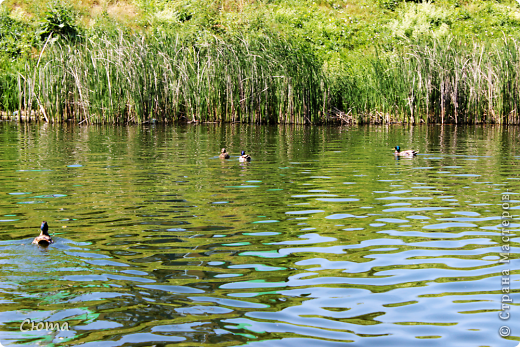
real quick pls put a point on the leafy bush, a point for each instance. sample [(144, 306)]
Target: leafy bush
[(388, 4), (59, 20), (420, 20), (15, 36)]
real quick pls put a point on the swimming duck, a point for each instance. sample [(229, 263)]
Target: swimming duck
[(408, 153), (223, 154), (44, 239), (244, 157)]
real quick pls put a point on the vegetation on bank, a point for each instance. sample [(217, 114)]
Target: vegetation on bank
[(261, 61)]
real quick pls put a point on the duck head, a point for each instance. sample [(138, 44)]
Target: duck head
[(45, 228), (398, 149), (243, 153), (223, 151)]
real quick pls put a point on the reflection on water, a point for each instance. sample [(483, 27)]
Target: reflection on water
[(324, 238)]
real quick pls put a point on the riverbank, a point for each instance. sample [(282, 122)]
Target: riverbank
[(419, 66), (267, 80)]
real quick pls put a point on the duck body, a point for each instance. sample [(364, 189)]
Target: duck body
[(44, 239), (244, 157), (223, 154), (410, 153)]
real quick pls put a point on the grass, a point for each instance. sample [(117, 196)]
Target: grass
[(443, 81), (163, 78), (330, 61), (121, 78)]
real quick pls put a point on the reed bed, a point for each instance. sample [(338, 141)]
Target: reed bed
[(115, 79), (437, 82), (130, 78)]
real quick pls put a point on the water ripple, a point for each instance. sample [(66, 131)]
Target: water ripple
[(326, 239)]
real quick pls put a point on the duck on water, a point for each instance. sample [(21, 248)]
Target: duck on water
[(409, 153), (244, 157), (223, 154), (44, 239)]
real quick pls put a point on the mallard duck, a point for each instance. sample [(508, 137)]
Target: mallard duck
[(44, 239), (244, 157), (223, 154), (408, 153)]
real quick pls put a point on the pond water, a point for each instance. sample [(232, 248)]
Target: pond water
[(323, 239)]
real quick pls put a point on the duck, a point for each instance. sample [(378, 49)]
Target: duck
[(410, 153), (223, 154), (44, 239), (244, 157)]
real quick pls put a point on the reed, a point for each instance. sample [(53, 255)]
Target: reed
[(441, 81), (123, 78), (9, 87)]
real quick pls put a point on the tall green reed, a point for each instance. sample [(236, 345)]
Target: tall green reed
[(120, 78), (127, 78), (442, 81)]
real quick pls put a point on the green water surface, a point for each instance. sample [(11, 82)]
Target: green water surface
[(323, 239)]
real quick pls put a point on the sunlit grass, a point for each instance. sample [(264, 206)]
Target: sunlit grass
[(442, 81), (220, 61), (121, 78), (130, 78)]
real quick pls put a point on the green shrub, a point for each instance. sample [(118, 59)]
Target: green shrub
[(15, 37), (59, 20), (419, 20), (388, 4)]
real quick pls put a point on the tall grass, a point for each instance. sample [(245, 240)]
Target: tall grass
[(130, 78), (135, 79), (442, 81)]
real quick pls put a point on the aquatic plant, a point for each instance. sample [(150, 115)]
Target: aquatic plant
[(440, 81), (119, 78), (221, 61), (136, 79)]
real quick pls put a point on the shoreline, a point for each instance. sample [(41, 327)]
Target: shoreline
[(39, 118)]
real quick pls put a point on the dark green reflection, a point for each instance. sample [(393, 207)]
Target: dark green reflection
[(323, 236)]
